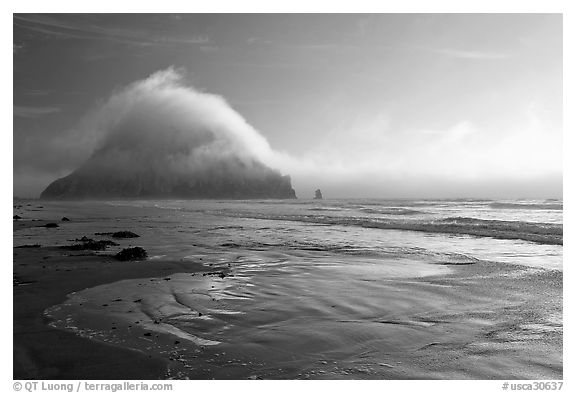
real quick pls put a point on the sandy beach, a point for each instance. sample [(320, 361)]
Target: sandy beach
[(289, 313), (43, 278)]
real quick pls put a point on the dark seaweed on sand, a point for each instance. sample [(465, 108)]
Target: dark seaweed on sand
[(28, 246), (119, 235), (89, 244), (132, 254)]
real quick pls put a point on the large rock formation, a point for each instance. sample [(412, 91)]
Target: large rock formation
[(159, 138), (232, 178)]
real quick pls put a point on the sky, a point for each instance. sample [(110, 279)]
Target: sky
[(358, 105)]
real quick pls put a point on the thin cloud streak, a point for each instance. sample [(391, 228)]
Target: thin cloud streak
[(35, 92), (289, 66), (33, 112), (471, 54), (54, 27)]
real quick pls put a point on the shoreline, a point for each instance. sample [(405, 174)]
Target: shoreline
[(470, 319), (43, 352)]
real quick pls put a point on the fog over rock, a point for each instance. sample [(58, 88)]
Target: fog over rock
[(159, 138)]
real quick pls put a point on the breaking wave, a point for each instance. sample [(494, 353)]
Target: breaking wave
[(528, 206), (542, 233)]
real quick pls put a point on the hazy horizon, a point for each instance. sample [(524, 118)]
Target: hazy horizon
[(358, 105)]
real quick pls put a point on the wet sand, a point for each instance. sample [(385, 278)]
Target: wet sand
[(479, 321), (451, 320), (43, 277)]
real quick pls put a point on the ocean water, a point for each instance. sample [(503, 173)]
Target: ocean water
[(527, 232), (324, 289)]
